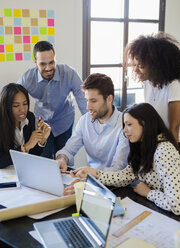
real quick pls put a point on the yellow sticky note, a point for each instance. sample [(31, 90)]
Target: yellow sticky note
[(2, 57), (9, 48), (34, 13), (25, 21), (8, 21), (17, 13), (51, 31), (18, 48), (34, 38)]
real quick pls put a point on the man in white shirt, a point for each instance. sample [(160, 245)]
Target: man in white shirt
[(100, 130)]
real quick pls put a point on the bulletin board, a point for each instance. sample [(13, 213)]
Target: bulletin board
[(20, 29)]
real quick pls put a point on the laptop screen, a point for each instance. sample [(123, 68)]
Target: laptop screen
[(97, 205)]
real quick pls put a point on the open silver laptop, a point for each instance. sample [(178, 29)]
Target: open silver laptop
[(38, 172), (90, 229)]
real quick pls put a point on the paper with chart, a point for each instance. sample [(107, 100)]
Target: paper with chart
[(156, 229)]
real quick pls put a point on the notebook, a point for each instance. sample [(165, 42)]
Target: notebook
[(90, 229), (39, 173)]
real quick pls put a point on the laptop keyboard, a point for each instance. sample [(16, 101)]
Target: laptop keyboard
[(72, 234)]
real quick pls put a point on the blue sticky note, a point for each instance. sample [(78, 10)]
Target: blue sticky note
[(119, 210), (50, 14), (1, 30)]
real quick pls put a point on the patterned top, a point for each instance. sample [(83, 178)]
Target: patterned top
[(163, 179)]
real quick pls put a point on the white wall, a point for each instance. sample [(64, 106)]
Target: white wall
[(172, 18)]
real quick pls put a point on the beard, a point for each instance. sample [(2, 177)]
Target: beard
[(100, 114)]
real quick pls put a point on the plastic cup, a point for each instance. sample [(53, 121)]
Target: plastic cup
[(177, 239), (78, 188)]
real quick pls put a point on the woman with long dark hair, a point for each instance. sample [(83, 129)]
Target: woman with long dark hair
[(17, 124), (154, 159)]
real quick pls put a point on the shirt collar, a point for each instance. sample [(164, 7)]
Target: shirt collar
[(24, 123), (55, 78)]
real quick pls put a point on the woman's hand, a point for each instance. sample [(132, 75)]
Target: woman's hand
[(142, 189), (70, 189), (45, 128), (83, 171), (35, 137)]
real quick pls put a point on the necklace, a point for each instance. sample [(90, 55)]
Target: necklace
[(153, 94)]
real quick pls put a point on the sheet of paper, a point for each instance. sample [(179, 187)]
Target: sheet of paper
[(156, 229)]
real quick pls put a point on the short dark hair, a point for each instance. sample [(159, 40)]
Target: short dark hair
[(142, 153), (42, 46), (7, 122), (101, 82), (160, 53)]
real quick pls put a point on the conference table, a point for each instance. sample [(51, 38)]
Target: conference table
[(16, 231)]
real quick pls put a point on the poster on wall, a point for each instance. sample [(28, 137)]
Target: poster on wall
[(21, 29)]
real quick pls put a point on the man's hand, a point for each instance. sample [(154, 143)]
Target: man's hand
[(83, 171), (142, 189), (62, 162)]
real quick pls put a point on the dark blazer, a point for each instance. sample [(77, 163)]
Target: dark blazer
[(5, 158)]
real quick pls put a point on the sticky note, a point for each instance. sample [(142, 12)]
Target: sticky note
[(34, 38), (34, 31), (8, 12), (2, 57), (27, 56), (17, 30), (51, 39), (17, 21), (8, 39), (51, 31), (18, 56), (43, 37), (27, 47), (43, 31), (43, 22), (25, 13), (17, 12), (25, 21), (26, 39), (8, 21), (17, 39), (50, 22), (1, 30), (42, 13), (34, 22), (1, 11), (1, 39), (34, 13), (26, 30), (18, 48), (50, 13), (9, 48), (1, 21), (9, 56), (1, 48)]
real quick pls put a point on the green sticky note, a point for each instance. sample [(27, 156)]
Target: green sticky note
[(43, 31), (1, 39), (8, 12), (9, 57)]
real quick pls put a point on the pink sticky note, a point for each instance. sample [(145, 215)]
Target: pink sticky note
[(50, 22), (26, 39), (17, 30), (1, 48), (18, 56)]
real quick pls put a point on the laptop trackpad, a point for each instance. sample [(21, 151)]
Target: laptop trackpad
[(52, 238)]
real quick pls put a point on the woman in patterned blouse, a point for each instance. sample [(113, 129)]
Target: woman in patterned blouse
[(154, 159)]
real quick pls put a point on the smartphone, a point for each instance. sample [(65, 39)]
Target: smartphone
[(9, 185)]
